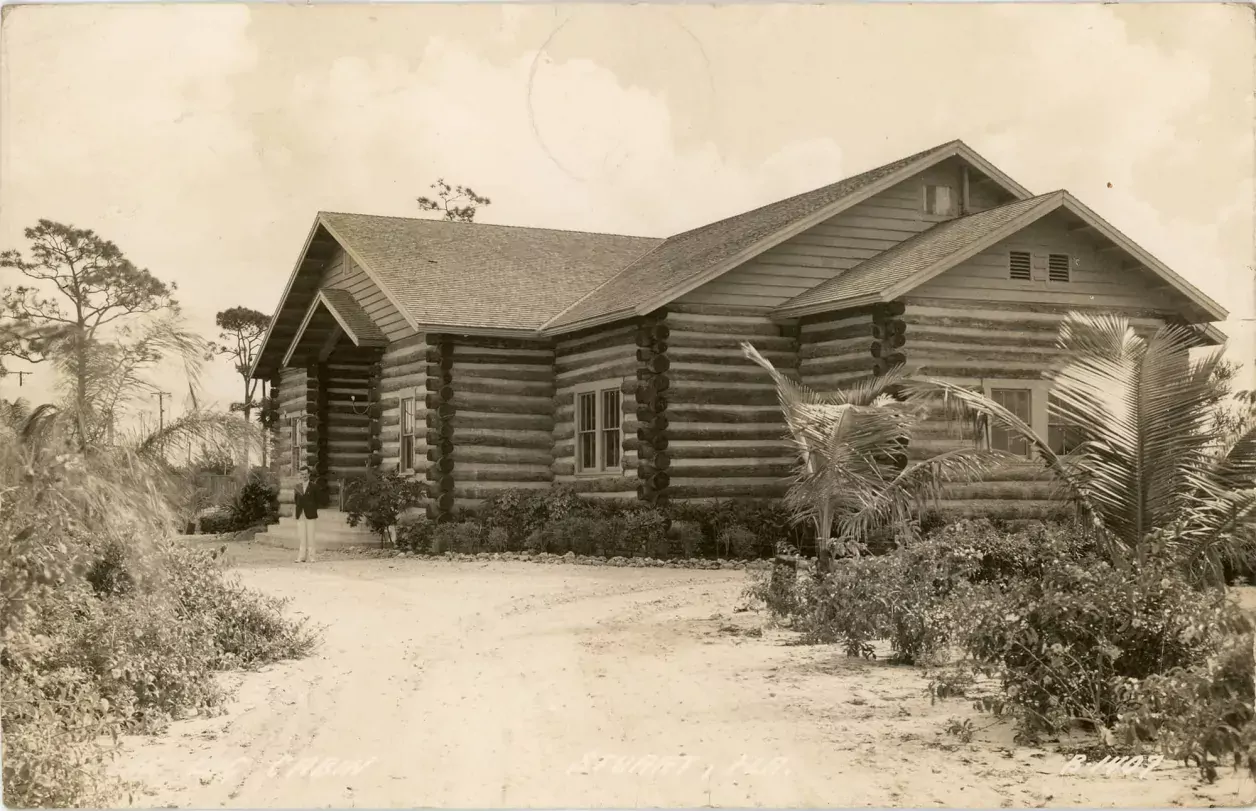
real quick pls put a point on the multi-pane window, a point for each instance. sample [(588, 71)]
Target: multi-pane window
[(1062, 436), (1017, 401), (1058, 267), (1019, 266), (939, 200), (598, 429), (294, 442), (407, 434)]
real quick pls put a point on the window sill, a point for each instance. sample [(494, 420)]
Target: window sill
[(599, 474)]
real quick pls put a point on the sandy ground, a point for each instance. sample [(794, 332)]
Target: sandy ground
[(515, 684)]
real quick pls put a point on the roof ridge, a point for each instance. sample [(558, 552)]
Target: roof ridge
[(487, 225)]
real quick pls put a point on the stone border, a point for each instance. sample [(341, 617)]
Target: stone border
[(569, 558)]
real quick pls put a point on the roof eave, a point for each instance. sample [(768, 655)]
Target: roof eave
[(783, 313), (592, 322), (292, 277), (1201, 299), (371, 274)]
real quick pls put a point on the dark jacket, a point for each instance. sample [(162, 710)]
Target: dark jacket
[(306, 501)]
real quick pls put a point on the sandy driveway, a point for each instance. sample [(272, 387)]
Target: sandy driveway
[(515, 684)]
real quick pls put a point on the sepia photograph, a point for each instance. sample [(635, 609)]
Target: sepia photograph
[(573, 405)]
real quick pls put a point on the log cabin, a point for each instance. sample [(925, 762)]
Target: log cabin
[(482, 357)]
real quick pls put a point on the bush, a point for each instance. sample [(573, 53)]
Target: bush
[(465, 537), (257, 502), (217, 520), (1068, 645), (769, 521), (1201, 715), (379, 499), (736, 541), (415, 535)]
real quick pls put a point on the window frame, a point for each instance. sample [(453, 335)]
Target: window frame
[(296, 440), (1028, 417), (602, 428), (953, 198), (405, 460), (1065, 428)]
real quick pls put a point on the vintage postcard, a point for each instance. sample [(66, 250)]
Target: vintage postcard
[(576, 405)]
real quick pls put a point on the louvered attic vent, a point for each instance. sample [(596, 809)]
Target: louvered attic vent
[(1018, 266), (1058, 267)]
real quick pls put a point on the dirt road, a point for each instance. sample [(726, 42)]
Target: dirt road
[(515, 684)]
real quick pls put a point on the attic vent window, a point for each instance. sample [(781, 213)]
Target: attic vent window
[(939, 201), (1058, 267), (1018, 266)]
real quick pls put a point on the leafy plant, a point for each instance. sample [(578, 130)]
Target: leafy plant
[(852, 476), (255, 503), (379, 500), (1155, 472)]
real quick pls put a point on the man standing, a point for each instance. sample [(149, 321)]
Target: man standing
[(307, 516)]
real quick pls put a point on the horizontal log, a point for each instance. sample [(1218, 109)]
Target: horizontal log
[(611, 483), (616, 370), (499, 371), (681, 343), (716, 489), (703, 469), (460, 342), (685, 432), (821, 366), (843, 331), (735, 330), (696, 394), (728, 374), (599, 338), (507, 421), (418, 366), (473, 355), (771, 451), (865, 312), (503, 439), (507, 388), (471, 472), (533, 456), (503, 403), (681, 413), (406, 383)]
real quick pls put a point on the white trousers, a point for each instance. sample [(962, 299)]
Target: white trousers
[(305, 539)]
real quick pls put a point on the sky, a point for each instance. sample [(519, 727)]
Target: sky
[(203, 139)]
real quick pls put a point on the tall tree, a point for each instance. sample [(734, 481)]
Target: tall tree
[(454, 203), (240, 338), (96, 288)]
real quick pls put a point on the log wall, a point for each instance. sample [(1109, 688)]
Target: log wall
[(652, 392), (293, 392), (727, 437), (403, 372), (984, 345), (499, 394), (835, 349), (602, 354), (348, 438)]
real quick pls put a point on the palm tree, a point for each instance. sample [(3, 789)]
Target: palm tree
[(1149, 477), (853, 476)]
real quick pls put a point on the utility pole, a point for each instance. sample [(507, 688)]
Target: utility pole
[(21, 376), (161, 409)]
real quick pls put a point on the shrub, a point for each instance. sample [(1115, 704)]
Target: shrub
[(464, 537), (1066, 644), (217, 520), (415, 535), (639, 533), (688, 536), (769, 521), (257, 502), (736, 541), (379, 499), (580, 534), (1200, 715)]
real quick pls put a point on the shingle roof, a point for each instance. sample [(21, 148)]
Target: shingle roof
[(685, 256), (476, 275), (346, 307), (916, 255)]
